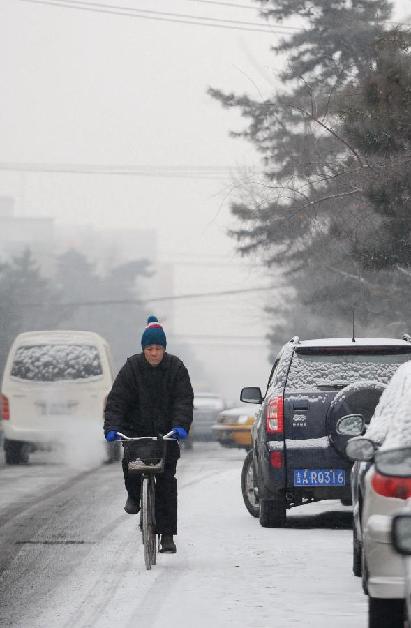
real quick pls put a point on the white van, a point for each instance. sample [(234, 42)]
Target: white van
[(54, 382)]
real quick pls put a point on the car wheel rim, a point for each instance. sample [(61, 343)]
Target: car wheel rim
[(249, 486)]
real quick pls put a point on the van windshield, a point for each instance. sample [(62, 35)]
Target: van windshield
[(56, 362), (320, 369)]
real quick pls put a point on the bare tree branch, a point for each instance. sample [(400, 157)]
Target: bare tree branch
[(327, 128), (331, 196)]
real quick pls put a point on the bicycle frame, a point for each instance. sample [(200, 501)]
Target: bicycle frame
[(147, 512)]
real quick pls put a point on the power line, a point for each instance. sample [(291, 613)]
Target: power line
[(163, 171), (180, 18), (253, 8), (87, 3), (98, 7), (114, 167), (219, 340), (225, 4), (179, 297), (213, 336)]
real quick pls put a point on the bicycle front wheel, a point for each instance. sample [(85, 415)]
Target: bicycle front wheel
[(149, 535)]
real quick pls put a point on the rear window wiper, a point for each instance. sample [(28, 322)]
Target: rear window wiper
[(336, 385)]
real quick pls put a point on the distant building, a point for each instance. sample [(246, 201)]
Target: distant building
[(20, 232), (103, 247)]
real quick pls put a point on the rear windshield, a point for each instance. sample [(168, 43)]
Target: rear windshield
[(333, 369), (56, 362)]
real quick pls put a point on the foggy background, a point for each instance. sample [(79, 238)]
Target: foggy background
[(112, 152)]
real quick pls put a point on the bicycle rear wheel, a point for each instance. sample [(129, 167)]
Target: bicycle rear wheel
[(149, 535), (152, 502)]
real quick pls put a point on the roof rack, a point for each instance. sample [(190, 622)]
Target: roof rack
[(296, 339), (406, 337)]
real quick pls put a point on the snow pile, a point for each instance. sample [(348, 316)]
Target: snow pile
[(392, 417), (56, 362), (312, 371)]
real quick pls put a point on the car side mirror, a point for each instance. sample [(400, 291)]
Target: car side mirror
[(401, 533), (251, 394), (360, 449)]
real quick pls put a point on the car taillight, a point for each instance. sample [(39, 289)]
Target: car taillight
[(275, 415), (5, 408), (276, 459), (390, 486)]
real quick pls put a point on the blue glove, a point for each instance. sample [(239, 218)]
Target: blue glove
[(179, 433), (112, 435)]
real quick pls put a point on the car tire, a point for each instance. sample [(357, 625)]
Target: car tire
[(188, 443), (364, 572), (273, 512), (359, 398), (113, 452), (248, 486), (385, 612), (16, 452), (356, 555)]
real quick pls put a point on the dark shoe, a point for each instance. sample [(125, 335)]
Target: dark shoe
[(167, 544), (131, 507)]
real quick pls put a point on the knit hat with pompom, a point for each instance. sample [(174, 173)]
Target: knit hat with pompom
[(153, 334)]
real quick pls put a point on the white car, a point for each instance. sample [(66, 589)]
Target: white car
[(54, 386), (207, 406), (401, 540), (386, 444)]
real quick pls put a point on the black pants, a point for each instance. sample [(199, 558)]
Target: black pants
[(166, 491)]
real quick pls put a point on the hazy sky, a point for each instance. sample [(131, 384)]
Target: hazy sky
[(83, 87)]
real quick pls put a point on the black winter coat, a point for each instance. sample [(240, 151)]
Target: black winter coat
[(150, 400)]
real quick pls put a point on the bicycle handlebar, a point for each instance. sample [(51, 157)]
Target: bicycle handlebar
[(165, 437)]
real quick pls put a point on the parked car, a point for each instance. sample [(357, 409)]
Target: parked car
[(233, 427), (386, 447), (401, 541), (298, 448), (207, 406), (52, 381), (376, 432)]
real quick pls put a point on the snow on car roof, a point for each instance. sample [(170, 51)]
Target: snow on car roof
[(347, 342), (58, 337), (391, 422)]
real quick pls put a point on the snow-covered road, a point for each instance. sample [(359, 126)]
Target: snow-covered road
[(70, 557)]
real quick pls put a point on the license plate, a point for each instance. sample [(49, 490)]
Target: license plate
[(319, 477), (56, 408)]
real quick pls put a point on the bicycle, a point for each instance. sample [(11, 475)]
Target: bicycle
[(145, 455)]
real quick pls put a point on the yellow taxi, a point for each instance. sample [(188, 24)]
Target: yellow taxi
[(233, 427)]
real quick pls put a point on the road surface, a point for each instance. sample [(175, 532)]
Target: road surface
[(71, 558)]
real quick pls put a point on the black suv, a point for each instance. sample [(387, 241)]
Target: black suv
[(298, 452)]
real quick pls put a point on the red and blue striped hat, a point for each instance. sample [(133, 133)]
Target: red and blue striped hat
[(153, 334)]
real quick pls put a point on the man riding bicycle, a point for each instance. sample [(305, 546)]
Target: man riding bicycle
[(152, 395)]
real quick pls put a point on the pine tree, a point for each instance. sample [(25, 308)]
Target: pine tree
[(332, 207), (28, 301), (120, 323)]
